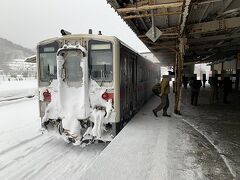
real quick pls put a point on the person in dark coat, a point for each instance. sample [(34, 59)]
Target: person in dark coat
[(185, 81), (214, 84), (204, 80), (227, 88), (195, 89)]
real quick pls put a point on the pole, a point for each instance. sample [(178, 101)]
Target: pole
[(178, 74), (153, 24)]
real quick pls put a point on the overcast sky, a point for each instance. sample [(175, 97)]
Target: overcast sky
[(26, 22)]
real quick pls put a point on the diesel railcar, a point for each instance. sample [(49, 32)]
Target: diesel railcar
[(90, 86)]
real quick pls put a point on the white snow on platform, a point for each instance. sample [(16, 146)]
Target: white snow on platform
[(140, 151), (25, 153), (150, 148), (17, 89)]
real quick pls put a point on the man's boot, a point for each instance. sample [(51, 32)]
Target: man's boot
[(166, 115), (155, 113)]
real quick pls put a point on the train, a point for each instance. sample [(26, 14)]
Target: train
[(90, 86)]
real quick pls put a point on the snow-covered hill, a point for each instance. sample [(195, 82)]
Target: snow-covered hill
[(9, 52)]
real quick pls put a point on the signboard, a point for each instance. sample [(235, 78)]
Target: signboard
[(150, 34), (49, 49)]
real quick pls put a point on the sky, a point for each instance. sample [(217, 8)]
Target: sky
[(27, 22)]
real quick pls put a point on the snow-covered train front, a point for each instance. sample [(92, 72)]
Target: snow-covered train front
[(83, 93)]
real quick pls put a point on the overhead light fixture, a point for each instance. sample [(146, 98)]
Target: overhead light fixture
[(154, 33)]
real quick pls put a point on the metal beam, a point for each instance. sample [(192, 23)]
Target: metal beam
[(167, 43), (174, 29), (164, 34), (227, 4), (167, 18), (148, 43), (210, 46), (218, 50), (160, 38), (203, 12), (217, 25), (206, 2), (138, 3), (213, 38), (149, 7), (149, 15), (142, 21), (114, 4), (160, 47), (165, 55), (214, 57)]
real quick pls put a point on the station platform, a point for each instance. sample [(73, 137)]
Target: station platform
[(150, 148)]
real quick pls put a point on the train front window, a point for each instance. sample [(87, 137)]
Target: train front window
[(73, 69), (101, 61), (48, 62)]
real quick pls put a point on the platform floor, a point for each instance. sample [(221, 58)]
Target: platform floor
[(150, 148)]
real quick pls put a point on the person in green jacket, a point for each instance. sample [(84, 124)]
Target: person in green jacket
[(164, 91)]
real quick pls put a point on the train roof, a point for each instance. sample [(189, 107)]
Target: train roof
[(94, 36), (100, 37)]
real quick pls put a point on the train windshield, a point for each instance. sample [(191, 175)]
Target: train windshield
[(72, 66), (101, 61), (48, 62)]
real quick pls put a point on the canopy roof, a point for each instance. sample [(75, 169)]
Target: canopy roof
[(212, 27)]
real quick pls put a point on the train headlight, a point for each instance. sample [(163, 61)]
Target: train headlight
[(107, 96), (47, 96)]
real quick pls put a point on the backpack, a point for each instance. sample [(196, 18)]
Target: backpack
[(156, 89)]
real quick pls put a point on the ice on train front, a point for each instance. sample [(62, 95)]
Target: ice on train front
[(78, 108)]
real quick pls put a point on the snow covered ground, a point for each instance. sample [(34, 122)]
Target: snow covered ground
[(17, 89), (27, 154)]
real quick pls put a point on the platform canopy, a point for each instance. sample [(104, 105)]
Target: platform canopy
[(210, 28)]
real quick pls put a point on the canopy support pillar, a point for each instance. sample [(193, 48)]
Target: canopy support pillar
[(178, 75)]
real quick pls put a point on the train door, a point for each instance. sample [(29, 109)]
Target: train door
[(47, 72), (132, 84), (123, 85), (135, 85), (127, 87)]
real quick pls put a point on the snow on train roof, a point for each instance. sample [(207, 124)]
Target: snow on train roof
[(102, 37), (95, 36)]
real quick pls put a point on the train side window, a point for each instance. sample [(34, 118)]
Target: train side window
[(101, 61), (47, 61), (48, 66)]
